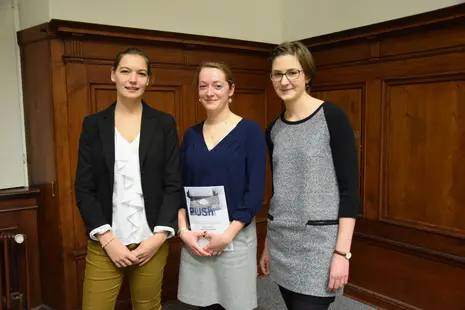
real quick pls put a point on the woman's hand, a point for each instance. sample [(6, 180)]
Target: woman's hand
[(217, 243), (265, 262), (119, 254), (147, 248), (190, 239), (339, 272)]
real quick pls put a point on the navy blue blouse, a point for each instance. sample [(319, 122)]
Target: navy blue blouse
[(238, 162)]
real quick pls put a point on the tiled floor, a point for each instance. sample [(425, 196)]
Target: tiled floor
[(269, 298)]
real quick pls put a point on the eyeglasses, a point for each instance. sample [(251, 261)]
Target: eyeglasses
[(291, 75)]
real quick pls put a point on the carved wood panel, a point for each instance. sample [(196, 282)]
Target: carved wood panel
[(424, 148)]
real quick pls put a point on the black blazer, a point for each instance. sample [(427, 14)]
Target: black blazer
[(159, 168)]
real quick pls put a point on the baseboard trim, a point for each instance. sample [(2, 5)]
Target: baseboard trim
[(374, 299)]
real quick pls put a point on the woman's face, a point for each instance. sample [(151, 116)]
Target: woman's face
[(214, 90), (131, 76), (288, 78)]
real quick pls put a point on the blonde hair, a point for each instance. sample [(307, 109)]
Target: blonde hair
[(217, 65)]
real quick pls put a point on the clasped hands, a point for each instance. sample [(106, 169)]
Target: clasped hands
[(121, 256), (215, 247)]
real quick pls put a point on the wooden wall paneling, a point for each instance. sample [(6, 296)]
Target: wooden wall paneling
[(412, 234), (423, 136), (65, 185), (42, 169), (354, 51), (78, 106), (436, 246), (399, 44), (236, 60), (372, 149), (449, 62), (18, 215), (102, 49), (411, 279), (38, 111)]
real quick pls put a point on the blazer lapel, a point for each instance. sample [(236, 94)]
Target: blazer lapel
[(107, 136), (146, 132)]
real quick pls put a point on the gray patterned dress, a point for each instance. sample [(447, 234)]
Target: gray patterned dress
[(315, 182)]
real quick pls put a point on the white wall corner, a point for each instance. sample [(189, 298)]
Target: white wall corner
[(33, 13)]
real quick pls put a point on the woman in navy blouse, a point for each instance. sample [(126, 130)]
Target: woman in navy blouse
[(224, 150)]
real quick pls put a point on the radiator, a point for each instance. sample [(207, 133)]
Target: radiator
[(14, 272)]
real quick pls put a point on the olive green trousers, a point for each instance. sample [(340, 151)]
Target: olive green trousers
[(103, 280)]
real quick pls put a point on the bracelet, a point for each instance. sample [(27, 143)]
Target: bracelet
[(181, 230), (106, 243)]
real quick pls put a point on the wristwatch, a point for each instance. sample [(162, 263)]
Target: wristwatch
[(347, 255)]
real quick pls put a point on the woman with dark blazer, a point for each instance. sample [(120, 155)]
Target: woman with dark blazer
[(128, 190)]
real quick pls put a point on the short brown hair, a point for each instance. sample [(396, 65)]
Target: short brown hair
[(299, 50), (217, 65), (131, 51)]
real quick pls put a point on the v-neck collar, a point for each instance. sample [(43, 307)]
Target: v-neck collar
[(125, 140), (221, 141)]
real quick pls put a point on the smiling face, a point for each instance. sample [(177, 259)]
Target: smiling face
[(288, 78), (214, 89), (131, 76)]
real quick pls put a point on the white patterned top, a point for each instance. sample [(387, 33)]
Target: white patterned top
[(129, 222)]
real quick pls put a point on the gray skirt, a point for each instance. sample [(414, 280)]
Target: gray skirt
[(301, 255), (229, 279)]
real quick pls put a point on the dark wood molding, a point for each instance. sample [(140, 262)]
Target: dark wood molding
[(35, 33), (57, 28), (413, 249), (23, 193), (14, 208), (390, 40), (381, 302)]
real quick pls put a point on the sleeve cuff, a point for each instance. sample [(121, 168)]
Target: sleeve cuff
[(99, 230), (244, 216), (164, 228)]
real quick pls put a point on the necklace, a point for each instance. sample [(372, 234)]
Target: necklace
[(209, 132)]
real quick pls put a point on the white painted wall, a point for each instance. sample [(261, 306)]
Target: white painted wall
[(252, 20), (12, 142), (270, 21), (304, 19), (32, 12)]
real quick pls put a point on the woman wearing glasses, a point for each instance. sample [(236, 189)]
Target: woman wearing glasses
[(315, 187)]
